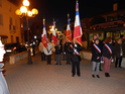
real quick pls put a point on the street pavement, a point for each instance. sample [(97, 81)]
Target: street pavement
[(40, 78)]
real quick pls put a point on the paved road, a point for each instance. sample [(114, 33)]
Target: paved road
[(40, 78)]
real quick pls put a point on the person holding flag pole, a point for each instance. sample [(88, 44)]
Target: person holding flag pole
[(47, 45), (77, 44), (67, 50), (43, 42)]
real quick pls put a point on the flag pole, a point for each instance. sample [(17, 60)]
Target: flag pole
[(68, 15), (43, 20)]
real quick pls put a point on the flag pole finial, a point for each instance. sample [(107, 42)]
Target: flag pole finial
[(68, 15), (53, 19), (43, 20)]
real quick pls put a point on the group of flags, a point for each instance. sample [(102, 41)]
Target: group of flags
[(71, 37)]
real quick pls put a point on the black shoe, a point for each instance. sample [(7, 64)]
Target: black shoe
[(73, 75), (48, 63), (120, 67), (100, 69), (79, 75), (67, 63), (97, 76), (93, 75), (108, 75)]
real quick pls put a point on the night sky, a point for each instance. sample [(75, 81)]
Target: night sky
[(58, 9)]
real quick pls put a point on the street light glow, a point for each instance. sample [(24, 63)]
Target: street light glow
[(23, 9), (29, 13), (18, 12), (34, 11), (26, 3)]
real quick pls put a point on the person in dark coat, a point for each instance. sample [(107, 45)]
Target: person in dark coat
[(68, 52), (58, 52), (96, 58), (118, 53), (96, 36), (76, 48), (123, 47), (107, 55)]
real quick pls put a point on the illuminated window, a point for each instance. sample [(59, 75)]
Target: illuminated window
[(12, 39), (11, 21), (0, 2), (1, 19)]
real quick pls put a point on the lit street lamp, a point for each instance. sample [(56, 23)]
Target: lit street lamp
[(24, 12)]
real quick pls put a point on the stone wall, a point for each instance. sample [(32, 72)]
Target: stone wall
[(17, 57)]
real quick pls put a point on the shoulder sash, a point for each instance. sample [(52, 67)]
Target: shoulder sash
[(109, 49), (97, 48)]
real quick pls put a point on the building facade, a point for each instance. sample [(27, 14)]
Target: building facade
[(105, 25), (10, 30)]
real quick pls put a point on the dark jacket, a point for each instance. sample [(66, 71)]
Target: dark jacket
[(76, 57), (67, 48), (100, 44), (58, 49), (96, 53), (123, 47), (117, 49), (106, 52)]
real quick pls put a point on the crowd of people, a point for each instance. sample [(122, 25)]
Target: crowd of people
[(71, 51), (107, 51), (102, 52)]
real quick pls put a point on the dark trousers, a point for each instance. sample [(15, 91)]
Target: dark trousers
[(48, 59), (68, 58), (34, 53), (58, 59), (43, 56), (118, 61), (76, 67), (100, 66)]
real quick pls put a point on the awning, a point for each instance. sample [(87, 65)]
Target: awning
[(3, 36)]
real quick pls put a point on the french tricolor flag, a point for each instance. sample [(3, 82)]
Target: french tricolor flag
[(44, 35), (54, 37), (77, 27), (68, 30)]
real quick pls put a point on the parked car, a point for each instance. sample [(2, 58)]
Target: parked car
[(14, 48)]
